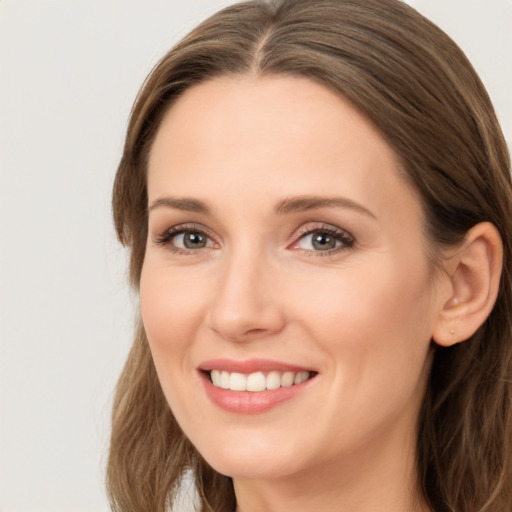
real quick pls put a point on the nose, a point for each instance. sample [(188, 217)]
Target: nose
[(246, 302)]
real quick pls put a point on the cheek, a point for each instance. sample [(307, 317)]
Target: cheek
[(375, 327), (171, 309), (350, 303)]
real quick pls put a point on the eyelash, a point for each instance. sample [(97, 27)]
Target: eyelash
[(347, 241), (166, 237)]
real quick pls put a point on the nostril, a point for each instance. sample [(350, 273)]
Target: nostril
[(254, 332)]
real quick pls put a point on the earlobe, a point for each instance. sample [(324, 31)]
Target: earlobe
[(474, 272)]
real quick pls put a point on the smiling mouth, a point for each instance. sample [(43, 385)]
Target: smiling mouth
[(257, 381)]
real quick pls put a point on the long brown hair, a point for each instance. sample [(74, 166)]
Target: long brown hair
[(419, 89)]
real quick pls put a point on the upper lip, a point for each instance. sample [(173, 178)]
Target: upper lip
[(250, 366)]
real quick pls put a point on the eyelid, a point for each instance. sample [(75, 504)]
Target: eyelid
[(348, 241), (346, 238), (164, 237)]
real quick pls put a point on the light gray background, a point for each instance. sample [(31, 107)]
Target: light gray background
[(69, 71)]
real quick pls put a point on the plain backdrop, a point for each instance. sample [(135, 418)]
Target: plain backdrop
[(69, 71)]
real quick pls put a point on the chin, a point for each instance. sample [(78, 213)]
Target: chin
[(252, 458), (253, 467)]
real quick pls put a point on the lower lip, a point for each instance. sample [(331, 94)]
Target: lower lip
[(250, 402)]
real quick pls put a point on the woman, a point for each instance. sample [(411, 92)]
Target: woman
[(317, 200)]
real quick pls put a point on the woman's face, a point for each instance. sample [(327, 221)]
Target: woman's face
[(284, 244)]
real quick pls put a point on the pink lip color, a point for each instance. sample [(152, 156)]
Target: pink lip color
[(250, 366), (249, 402)]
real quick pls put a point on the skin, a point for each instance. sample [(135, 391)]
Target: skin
[(361, 315)]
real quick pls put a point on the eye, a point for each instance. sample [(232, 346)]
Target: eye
[(319, 242), (324, 239), (185, 239), (190, 240)]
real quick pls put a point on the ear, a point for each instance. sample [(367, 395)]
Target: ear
[(474, 272)]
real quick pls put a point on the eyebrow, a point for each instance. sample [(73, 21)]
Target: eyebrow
[(304, 203), (286, 206), (186, 204)]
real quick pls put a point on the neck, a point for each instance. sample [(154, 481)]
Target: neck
[(380, 476)]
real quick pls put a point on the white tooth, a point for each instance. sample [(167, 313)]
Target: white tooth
[(224, 380), (301, 377), (256, 382), (273, 380), (287, 379), (215, 375), (238, 382)]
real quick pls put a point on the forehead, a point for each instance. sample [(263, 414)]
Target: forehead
[(276, 111), (272, 136)]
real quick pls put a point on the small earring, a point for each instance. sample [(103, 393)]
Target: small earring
[(452, 331)]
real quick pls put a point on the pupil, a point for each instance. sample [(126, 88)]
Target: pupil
[(194, 240), (324, 242)]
